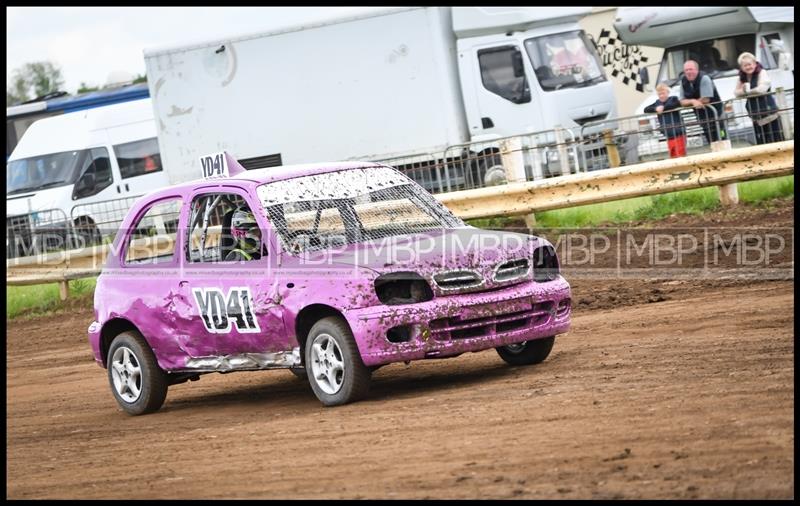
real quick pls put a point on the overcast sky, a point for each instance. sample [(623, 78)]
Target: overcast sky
[(89, 43)]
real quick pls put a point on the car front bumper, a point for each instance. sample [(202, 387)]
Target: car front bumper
[(451, 325)]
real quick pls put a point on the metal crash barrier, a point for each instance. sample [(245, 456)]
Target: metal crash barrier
[(651, 178), (482, 164), (597, 145), (601, 144)]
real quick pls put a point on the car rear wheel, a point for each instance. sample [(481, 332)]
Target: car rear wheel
[(527, 353), (139, 385), (335, 370)]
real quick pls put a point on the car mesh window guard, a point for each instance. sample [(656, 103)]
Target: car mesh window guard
[(356, 205)]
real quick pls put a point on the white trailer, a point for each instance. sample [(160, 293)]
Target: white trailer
[(402, 82), (714, 37)]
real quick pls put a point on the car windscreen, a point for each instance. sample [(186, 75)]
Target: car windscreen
[(326, 210), (45, 171), (564, 60), (715, 57)]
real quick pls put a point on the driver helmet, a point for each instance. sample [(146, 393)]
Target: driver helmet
[(245, 231)]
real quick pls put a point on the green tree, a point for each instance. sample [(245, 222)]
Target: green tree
[(85, 88), (45, 77), (33, 80), (17, 92), (140, 79)]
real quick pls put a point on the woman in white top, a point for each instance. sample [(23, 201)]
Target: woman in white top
[(754, 83)]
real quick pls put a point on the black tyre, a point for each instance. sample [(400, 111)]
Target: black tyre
[(299, 372), (334, 366), (139, 385), (87, 233), (527, 353), (494, 175)]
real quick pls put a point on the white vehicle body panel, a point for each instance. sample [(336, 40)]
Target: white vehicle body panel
[(100, 127), (375, 87)]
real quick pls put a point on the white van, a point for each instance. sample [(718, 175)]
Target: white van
[(78, 171)]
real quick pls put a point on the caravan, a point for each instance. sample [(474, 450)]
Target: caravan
[(67, 168)]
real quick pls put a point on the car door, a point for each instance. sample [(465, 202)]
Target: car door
[(503, 89), (235, 305)]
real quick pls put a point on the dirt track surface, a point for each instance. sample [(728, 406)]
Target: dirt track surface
[(689, 394)]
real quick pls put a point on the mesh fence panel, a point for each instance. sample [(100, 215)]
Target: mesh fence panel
[(643, 138), (37, 232), (429, 171), (97, 222)]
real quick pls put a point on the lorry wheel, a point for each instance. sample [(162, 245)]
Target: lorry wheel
[(494, 176), (527, 353), (139, 385), (335, 370)]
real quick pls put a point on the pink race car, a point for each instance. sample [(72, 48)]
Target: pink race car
[(329, 270)]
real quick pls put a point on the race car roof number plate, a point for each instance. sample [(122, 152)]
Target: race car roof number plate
[(214, 166)]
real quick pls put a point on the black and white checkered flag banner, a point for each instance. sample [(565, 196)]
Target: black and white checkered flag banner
[(623, 59)]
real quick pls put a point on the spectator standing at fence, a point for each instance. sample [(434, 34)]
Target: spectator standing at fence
[(754, 83), (699, 91), (669, 119)]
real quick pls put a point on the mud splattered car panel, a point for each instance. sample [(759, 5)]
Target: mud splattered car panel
[(336, 236)]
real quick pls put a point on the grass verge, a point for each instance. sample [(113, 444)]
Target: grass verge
[(42, 300)]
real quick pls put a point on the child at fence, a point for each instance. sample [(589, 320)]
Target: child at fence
[(669, 119)]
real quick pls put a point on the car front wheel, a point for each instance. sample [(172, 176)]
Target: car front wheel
[(299, 372), (527, 353), (335, 370), (139, 385)]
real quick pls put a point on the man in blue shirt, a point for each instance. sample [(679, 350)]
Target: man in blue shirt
[(698, 91)]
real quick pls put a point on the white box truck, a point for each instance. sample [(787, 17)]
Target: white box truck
[(714, 37), (401, 82)]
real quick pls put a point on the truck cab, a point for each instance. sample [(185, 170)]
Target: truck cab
[(528, 69)]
